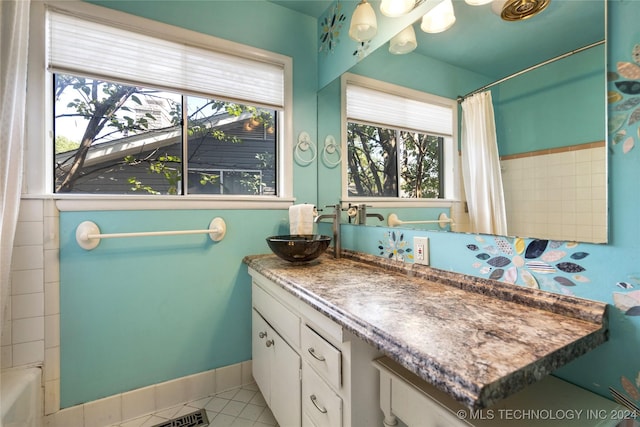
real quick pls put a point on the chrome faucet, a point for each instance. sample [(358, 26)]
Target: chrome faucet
[(363, 215), (335, 216)]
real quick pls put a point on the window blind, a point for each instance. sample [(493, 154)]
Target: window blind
[(374, 106), (83, 47)]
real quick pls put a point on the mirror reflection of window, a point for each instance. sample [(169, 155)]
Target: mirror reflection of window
[(400, 142), (387, 162)]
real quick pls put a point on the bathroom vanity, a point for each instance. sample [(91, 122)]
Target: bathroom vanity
[(333, 336)]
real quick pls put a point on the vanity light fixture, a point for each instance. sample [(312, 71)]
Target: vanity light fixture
[(395, 8), (363, 23), (403, 42), (439, 19)]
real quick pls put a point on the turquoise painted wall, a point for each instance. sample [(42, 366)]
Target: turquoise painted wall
[(136, 312), (609, 273), (557, 105)]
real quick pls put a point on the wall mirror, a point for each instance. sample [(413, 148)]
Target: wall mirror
[(550, 121)]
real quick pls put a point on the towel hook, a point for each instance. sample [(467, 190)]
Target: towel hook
[(331, 147), (305, 144)]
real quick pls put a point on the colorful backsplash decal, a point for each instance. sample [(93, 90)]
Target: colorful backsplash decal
[(542, 264), (394, 246), (624, 102), (330, 28)]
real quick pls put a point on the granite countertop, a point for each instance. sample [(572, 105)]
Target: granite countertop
[(478, 340)]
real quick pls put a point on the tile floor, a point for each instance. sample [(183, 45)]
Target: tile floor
[(238, 407)]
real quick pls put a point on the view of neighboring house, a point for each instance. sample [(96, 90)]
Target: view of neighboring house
[(226, 154)]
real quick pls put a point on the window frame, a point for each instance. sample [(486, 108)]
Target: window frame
[(452, 171), (38, 180)]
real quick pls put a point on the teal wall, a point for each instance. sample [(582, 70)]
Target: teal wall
[(137, 312), (557, 105), (609, 273)]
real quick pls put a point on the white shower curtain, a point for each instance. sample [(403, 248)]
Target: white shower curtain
[(481, 166), (14, 41)]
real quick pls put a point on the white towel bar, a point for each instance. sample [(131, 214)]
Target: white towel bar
[(88, 233), (442, 221)]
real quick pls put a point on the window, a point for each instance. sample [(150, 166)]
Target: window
[(399, 142), (139, 114)]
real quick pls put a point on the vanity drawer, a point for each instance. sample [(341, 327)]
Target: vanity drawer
[(325, 358), (279, 317), (320, 404)]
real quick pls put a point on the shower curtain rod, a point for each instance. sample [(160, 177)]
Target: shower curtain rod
[(533, 67)]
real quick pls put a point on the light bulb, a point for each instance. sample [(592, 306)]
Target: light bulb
[(363, 23), (395, 8), (403, 42), (439, 19)]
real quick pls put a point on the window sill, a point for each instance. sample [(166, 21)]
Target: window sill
[(89, 202), (392, 202)]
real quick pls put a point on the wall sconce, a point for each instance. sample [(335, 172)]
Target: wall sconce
[(395, 8), (363, 23), (403, 42), (439, 19)]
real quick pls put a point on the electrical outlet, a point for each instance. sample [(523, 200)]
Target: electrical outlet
[(421, 250)]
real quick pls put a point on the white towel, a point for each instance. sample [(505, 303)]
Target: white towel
[(301, 218)]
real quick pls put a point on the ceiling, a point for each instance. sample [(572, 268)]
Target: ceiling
[(482, 42)]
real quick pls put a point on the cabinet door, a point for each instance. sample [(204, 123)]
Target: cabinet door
[(285, 383), (261, 354)]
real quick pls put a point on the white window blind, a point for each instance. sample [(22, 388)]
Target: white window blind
[(83, 47), (377, 107)]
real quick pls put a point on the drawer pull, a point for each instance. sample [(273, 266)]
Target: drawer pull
[(312, 352), (314, 400), (269, 343), (262, 334)]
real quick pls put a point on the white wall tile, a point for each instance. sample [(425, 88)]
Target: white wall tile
[(171, 393), (28, 305), (6, 353), (27, 258), (51, 298), (6, 333), (51, 364), (201, 385), (27, 281), (103, 412), (51, 396), (247, 372), (52, 331), (29, 233), (138, 402), (51, 232), (27, 330), (31, 210), (51, 265), (71, 417), (28, 353), (228, 377)]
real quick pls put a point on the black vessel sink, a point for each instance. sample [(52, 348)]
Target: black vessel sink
[(299, 247)]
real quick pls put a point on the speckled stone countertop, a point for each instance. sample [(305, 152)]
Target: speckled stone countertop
[(476, 339)]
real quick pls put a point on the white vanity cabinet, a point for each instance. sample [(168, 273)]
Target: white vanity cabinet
[(276, 369), (336, 381)]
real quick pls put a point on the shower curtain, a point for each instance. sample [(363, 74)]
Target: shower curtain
[(481, 166), (14, 38)]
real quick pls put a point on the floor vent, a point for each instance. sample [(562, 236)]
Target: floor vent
[(193, 419)]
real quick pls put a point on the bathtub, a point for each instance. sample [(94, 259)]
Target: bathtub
[(21, 397)]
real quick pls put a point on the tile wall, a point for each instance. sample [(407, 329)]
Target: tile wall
[(32, 335), (560, 193)]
